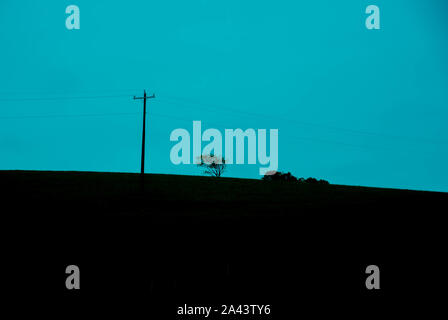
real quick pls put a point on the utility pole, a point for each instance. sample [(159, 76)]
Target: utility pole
[(144, 98)]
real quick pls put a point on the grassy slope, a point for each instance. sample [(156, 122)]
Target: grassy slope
[(224, 237), (122, 192)]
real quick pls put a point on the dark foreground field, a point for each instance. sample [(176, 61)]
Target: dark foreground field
[(153, 245)]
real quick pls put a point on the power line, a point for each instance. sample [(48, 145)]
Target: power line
[(63, 98), (199, 105), (193, 105), (311, 139), (175, 101), (69, 115), (289, 137), (72, 93)]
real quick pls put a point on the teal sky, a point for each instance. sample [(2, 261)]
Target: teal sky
[(353, 106)]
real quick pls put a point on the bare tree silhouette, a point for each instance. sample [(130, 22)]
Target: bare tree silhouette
[(214, 165)]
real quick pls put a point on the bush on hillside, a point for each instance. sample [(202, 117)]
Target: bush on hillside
[(279, 176)]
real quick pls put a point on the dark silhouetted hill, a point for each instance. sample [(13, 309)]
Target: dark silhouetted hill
[(188, 239)]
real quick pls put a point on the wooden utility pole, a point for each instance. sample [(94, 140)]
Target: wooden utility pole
[(144, 127)]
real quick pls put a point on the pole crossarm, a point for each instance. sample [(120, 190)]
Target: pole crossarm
[(148, 97)]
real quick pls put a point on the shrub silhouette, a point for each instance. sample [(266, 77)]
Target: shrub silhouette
[(311, 181), (279, 176)]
